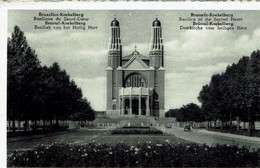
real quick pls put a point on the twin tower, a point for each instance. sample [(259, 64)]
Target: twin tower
[(135, 83)]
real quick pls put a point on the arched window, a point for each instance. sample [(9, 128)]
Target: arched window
[(135, 80)]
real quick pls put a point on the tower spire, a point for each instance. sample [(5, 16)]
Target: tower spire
[(156, 36), (114, 45), (115, 41), (156, 45)]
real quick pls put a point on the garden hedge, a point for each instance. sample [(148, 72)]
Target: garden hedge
[(136, 131), (142, 155)]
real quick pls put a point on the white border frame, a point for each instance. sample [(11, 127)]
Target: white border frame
[(4, 7)]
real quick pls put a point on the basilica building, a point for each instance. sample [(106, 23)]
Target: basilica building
[(135, 83)]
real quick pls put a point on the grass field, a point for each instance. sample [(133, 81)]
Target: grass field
[(70, 136), (136, 139), (103, 136), (83, 136)]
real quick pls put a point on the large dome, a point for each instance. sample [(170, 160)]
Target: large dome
[(114, 22), (156, 22)]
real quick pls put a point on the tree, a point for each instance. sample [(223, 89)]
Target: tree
[(253, 94), (235, 93), (36, 92), (207, 105), (171, 113), (236, 79), (84, 111), (22, 72), (187, 113), (62, 96)]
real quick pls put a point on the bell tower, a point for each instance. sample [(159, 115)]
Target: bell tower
[(156, 45), (114, 74), (157, 71), (114, 46)]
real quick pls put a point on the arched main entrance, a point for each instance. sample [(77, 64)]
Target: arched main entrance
[(134, 101), (135, 106), (143, 105), (127, 106)]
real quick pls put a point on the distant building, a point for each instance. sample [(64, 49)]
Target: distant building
[(135, 83)]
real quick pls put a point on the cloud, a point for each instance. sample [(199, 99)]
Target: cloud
[(245, 44), (95, 53), (198, 45), (94, 89), (193, 58), (219, 67), (256, 33), (184, 87), (201, 45), (142, 48), (77, 52)]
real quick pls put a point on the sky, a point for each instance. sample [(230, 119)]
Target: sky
[(191, 57)]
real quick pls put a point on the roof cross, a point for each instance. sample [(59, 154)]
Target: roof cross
[(135, 47)]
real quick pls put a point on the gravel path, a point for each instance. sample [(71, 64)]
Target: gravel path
[(212, 138)]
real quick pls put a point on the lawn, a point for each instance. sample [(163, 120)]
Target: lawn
[(71, 136), (84, 136), (138, 139)]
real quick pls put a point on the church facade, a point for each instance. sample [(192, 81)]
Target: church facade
[(135, 83)]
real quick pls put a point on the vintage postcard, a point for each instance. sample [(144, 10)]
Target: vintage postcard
[(131, 86)]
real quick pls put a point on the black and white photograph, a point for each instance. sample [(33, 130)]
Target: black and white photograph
[(132, 88)]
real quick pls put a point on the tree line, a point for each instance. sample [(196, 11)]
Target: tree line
[(36, 92), (234, 94), (187, 113), (231, 95)]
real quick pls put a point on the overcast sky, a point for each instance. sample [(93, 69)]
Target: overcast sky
[(191, 57)]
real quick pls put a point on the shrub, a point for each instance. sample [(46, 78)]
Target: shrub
[(53, 127), (133, 127), (142, 155), (136, 130)]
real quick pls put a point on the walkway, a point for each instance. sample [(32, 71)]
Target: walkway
[(202, 136)]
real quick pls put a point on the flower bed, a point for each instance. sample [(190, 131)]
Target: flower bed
[(136, 130), (134, 127), (143, 155)]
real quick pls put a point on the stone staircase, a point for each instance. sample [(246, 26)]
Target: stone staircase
[(135, 121)]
